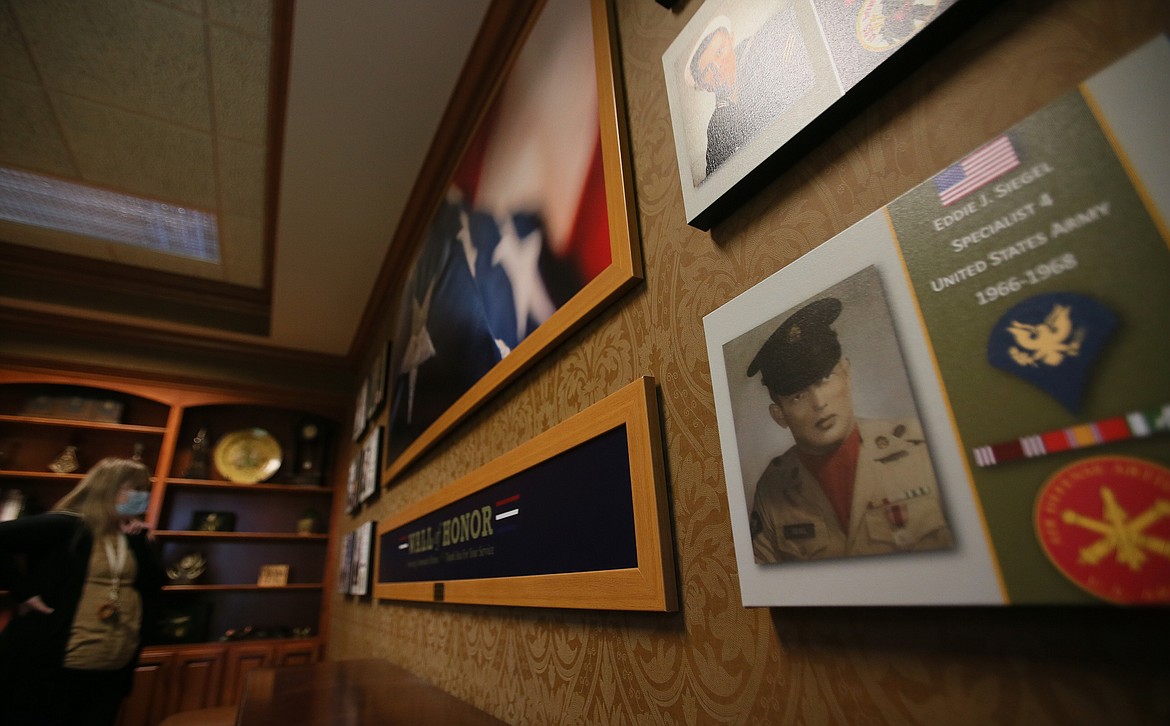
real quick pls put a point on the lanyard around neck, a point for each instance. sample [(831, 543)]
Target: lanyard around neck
[(116, 556)]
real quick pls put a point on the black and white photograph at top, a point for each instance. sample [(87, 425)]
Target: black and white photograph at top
[(737, 69), (744, 77)]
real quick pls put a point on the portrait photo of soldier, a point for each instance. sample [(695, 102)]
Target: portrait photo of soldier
[(837, 463)]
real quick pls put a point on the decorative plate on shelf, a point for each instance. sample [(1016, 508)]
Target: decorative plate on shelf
[(247, 456)]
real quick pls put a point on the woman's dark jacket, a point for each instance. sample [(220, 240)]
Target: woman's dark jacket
[(56, 548)]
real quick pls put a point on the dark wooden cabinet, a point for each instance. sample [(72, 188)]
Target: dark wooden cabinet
[(148, 702), (169, 680), (242, 659), (302, 652), (196, 678)]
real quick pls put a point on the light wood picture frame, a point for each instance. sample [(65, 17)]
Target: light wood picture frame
[(376, 382), (371, 469), (411, 544), (359, 410), (353, 482), (273, 576), (430, 393), (363, 547), (345, 563)]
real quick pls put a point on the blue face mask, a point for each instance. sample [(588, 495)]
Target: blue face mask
[(135, 504)]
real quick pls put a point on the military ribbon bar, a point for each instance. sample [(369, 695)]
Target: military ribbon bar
[(888, 501), (1137, 424)]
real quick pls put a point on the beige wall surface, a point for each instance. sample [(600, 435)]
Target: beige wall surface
[(715, 661)]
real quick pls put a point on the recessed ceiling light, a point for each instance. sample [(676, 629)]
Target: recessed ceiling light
[(50, 203)]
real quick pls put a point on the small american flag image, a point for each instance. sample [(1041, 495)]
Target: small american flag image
[(981, 166)]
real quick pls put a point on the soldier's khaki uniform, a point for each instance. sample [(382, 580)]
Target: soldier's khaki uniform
[(896, 505)]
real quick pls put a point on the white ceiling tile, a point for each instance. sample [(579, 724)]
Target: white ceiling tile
[(54, 240), (14, 60), (136, 81), (142, 257), (74, 244), (242, 248), (137, 154), (240, 81), (195, 7), (127, 53), (241, 177), (29, 138), (251, 16)]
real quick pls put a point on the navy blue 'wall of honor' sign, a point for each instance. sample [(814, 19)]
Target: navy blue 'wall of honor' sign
[(570, 513)]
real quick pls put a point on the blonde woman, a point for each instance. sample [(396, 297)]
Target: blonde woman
[(86, 582)]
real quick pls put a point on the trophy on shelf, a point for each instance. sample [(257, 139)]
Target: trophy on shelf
[(12, 506), (309, 522), (205, 521), (200, 467), (188, 569), (66, 462), (309, 461)]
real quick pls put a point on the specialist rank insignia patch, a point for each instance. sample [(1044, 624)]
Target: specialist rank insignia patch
[(1052, 341), (1104, 522)]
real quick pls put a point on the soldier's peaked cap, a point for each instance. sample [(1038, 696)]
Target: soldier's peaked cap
[(802, 350)]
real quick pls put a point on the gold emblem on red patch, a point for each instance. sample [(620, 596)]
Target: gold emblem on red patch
[(1105, 523)]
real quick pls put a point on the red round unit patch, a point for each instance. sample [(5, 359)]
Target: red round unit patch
[(1105, 523)]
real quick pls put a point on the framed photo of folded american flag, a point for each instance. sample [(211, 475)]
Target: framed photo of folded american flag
[(532, 233)]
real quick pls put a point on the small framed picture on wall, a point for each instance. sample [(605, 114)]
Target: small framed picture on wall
[(370, 465)]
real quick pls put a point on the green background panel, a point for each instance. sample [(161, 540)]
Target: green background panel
[(1122, 262)]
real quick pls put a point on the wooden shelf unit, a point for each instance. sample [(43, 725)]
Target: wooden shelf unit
[(225, 588), (286, 488), (239, 536), (76, 424), (161, 422)]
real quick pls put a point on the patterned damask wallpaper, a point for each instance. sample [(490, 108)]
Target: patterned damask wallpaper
[(714, 661)]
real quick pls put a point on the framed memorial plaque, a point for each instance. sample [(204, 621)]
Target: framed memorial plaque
[(962, 399), (575, 518)]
